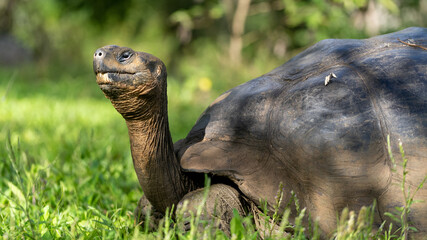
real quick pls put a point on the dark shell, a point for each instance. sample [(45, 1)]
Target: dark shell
[(327, 143)]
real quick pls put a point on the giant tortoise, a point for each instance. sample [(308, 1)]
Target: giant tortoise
[(317, 126)]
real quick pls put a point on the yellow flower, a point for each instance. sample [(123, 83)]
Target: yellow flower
[(205, 84)]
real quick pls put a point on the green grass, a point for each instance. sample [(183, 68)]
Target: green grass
[(66, 171), (65, 168), (65, 164)]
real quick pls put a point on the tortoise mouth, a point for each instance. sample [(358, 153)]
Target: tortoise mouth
[(108, 80)]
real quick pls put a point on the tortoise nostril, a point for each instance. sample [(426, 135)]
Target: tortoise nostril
[(99, 53), (98, 59)]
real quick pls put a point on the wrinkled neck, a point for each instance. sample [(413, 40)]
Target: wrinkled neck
[(150, 141), (156, 165), (136, 107)]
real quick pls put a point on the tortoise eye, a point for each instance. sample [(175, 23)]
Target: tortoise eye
[(125, 56)]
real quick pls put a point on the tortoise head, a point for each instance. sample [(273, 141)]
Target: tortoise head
[(135, 82)]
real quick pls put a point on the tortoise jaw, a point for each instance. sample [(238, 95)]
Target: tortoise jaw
[(112, 83), (108, 80), (102, 78), (104, 82)]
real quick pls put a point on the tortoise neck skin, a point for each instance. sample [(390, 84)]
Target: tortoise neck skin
[(135, 83), (156, 166)]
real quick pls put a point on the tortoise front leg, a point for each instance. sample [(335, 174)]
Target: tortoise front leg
[(216, 206), (146, 215)]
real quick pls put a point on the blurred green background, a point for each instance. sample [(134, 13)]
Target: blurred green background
[(64, 154)]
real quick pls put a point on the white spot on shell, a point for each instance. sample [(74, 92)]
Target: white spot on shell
[(329, 77)]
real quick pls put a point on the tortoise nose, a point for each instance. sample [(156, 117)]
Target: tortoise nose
[(99, 54), (98, 58)]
